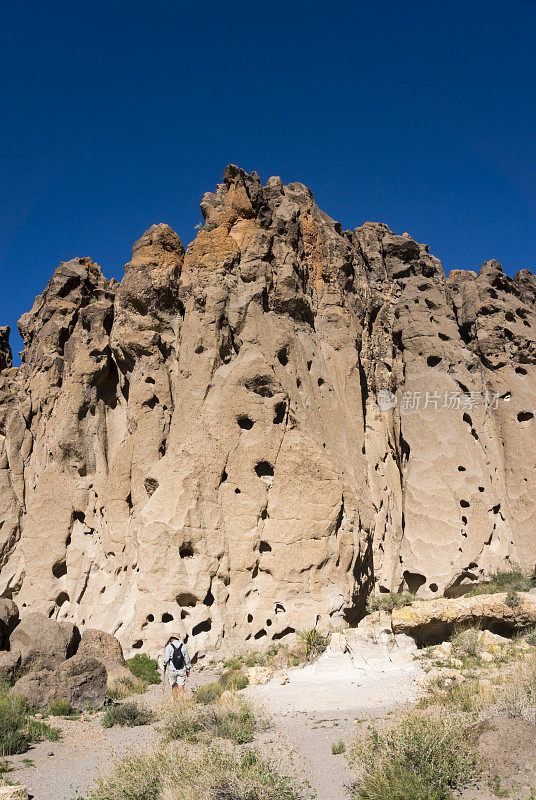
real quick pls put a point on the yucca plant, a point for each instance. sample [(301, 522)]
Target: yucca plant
[(314, 641)]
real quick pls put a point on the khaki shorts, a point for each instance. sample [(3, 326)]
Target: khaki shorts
[(177, 677)]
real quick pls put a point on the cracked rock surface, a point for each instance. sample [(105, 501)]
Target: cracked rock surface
[(198, 449)]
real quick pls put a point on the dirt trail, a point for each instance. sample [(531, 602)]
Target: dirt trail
[(321, 704)]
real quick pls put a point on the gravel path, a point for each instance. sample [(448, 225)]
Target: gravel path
[(319, 707), (321, 704)]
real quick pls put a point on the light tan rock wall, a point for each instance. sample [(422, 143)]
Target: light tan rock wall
[(199, 449)]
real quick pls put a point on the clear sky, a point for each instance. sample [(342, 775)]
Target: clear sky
[(116, 115)]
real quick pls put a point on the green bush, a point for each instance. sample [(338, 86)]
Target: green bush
[(18, 729), (512, 599), (234, 680), (425, 757), (504, 580), (59, 708), (14, 734), (338, 747), (144, 668), (314, 641), (389, 601), (530, 637), (209, 692), (128, 715), (41, 730), (206, 774), (466, 642)]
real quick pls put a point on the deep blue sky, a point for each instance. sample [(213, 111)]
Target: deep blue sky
[(116, 115)]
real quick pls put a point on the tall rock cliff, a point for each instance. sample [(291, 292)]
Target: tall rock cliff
[(249, 437)]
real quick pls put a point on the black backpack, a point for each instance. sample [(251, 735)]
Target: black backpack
[(177, 658)]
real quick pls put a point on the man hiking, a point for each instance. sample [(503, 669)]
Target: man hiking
[(177, 661)]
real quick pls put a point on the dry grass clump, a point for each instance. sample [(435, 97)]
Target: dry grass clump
[(426, 756), (388, 601), (204, 774), (126, 687), (227, 718), (127, 715)]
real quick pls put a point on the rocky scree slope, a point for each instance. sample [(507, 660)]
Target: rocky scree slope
[(199, 448)]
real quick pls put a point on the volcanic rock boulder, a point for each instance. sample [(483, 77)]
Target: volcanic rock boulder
[(434, 621), (200, 449), (78, 680), (42, 643)]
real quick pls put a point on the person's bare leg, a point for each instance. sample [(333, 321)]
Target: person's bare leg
[(181, 690), (175, 692)]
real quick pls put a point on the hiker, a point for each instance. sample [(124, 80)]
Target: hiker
[(177, 660)]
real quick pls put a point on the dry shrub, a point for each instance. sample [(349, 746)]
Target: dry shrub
[(228, 718), (426, 756), (204, 774)]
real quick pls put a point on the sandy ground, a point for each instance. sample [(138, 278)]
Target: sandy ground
[(320, 705)]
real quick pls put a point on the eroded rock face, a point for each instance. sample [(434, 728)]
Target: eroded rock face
[(199, 449)]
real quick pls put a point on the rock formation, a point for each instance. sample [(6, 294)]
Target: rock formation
[(200, 448)]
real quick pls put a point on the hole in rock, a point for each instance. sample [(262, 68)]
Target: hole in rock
[(321, 381), (264, 547), (521, 371), (62, 598), (309, 365), (209, 599), (260, 634), (186, 599), (167, 617), (444, 337), (250, 617), (264, 469), (282, 356), (298, 382), (268, 622), (433, 361), (129, 500), (224, 477), (279, 410), (149, 618), (281, 634), (151, 402), (461, 469), (480, 488), (413, 581), (59, 569), (184, 614), (68, 541), (524, 416), (245, 423), (201, 627), (78, 516), (279, 608), (464, 520), (464, 504), (138, 644), (433, 587), (149, 380), (264, 513), (186, 550), (467, 418), (151, 485), (237, 490)]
